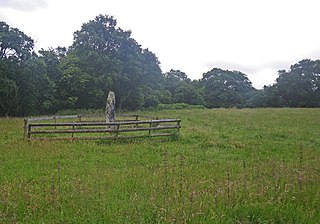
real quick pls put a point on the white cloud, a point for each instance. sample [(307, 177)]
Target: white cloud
[(24, 5)]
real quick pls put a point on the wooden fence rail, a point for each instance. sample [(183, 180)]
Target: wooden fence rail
[(41, 129)]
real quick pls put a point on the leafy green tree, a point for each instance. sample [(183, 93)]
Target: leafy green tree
[(135, 100), (15, 48), (151, 71), (14, 44), (266, 97), (35, 94), (164, 96), (187, 93), (72, 85), (52, 57), (101, 35), (93, 63), (300, 86), (182, 89), (151, 97), (108, 58), (173, 78), (223, 88), (8, 89)]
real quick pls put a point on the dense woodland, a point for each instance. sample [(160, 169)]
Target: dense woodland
[(104, 57)]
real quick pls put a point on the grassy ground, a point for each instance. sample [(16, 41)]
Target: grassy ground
[(228, 166)]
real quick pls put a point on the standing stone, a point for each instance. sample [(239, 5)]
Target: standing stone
[(110, 107)]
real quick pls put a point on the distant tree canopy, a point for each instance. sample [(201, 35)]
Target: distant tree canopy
[(297, 87), (104, 57), (182, 89), (300, 86), (223, 88)]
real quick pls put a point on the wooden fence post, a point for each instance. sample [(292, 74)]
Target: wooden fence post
[(178, 128), (79, 116), (117, 130), (55, 121), (137, 119), (150, 126), (26, 128), (73, 129)]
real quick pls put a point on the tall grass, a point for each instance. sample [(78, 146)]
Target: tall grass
[(228, 166)]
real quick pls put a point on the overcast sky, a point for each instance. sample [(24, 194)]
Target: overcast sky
[(256, 37)]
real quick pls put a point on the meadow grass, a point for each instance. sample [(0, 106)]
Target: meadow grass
[(227, 166)]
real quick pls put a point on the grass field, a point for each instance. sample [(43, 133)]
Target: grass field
[(227, 166)]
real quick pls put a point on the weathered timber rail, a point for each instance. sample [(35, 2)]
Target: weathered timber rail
[(80, 129)]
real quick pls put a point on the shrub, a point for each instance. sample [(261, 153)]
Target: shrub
[(178, 106)]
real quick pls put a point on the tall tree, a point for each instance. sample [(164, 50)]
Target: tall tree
[(14, 44), (188, 93), (173, 79), (182, 89), (52, 57), (8, 88), (35, 89), (15, 48), (300, 85), (111, 59), (223, 88)]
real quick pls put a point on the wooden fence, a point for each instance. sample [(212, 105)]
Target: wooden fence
[(82, 127)]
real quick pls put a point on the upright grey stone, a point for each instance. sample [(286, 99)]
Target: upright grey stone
[(110, 107)]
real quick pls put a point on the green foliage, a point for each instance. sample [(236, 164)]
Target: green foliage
[(134, 100), (8, 88), (228, 166), (8, 96), (15, 49), (178, 106), (113, 61), (73, 83), (151, 98), (104, 57), (300, 86), (223, 88), (165, 96), (14, 44), (187, 93), (52, 59), (181, 89), (267, 97), (96, 112), (297, 87)]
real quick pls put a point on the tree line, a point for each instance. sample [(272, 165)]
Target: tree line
[(105, 57)]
